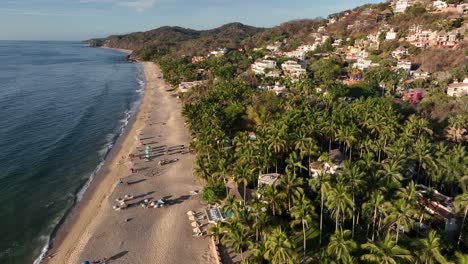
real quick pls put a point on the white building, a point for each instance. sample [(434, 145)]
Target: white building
[(307, 47), (293, 68), (273, 48), (458, 89), (187, 86), (219, 52), (362, 64), (277, 88), (399, 52), (439, 4), (402, 5), (373, 37), (298, 54), (391, 35), (405, 65), (260, 66)]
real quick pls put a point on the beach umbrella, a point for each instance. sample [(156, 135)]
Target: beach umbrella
[(85, 262), (196, 230), (190, 213), (191, 218), (194, 224)]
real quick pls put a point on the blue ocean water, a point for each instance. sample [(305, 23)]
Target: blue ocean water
[(62, 105)]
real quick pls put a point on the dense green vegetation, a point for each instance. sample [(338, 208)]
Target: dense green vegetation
[(372, 210)]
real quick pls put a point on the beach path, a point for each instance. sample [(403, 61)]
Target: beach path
[(137, 234)]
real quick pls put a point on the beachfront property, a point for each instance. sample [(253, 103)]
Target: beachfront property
[(260, 66), (187, 86), (458, 89), (373, 37), (400, 6), (293, 69)]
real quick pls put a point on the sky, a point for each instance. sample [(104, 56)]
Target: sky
[(84, 19)]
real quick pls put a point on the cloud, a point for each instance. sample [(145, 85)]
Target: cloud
[(138, 5)]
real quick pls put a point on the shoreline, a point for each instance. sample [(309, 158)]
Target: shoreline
[(93, 230), (72, 216)]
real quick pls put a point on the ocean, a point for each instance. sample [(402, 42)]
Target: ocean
[(62, 106)]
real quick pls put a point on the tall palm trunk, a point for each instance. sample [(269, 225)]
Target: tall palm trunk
[(461, 228), (321, 216), (304, 235), (354, 217)]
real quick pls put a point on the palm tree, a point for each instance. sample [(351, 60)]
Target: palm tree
[(353, 176), (429, 249), (375, 204), (230, 204), (277, 145), (339, 202), (215, 231), (303, 213), (400, 215), (461, 258), (278, 248), (291, 185), (237, 236), (340, 246), (391, 171), (422, 153), (461, 205), (243, 177), (321, 184), (385, 252), (274, 198)]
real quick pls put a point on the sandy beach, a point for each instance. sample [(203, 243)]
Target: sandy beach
[(94, 230)]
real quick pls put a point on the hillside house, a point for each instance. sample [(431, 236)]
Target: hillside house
[(384, 15), (298, 54), (446, 40), (420, 74), (400, 52), (260, 66), (462, 8), (405, 65), (421, 38), (219, 52), (439, 4), (268, 179), (307, 47), (362, 64), (413, 95), (374, 37), (196, 59), (277, 88), (273, 48), (391, 35), (400, 6), (458, 89), (293, 68)]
